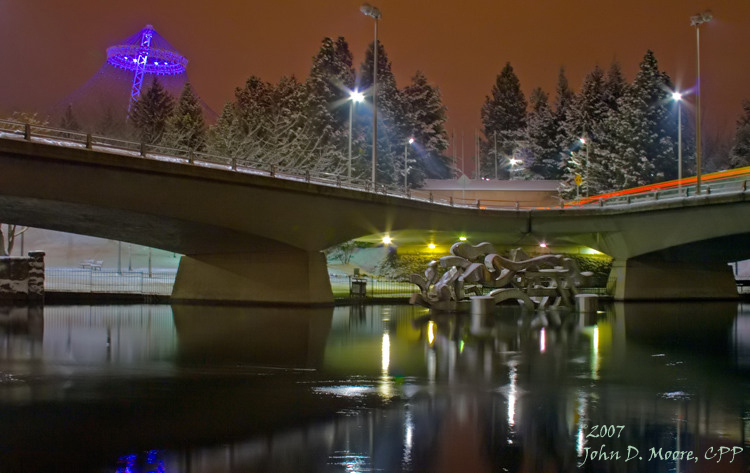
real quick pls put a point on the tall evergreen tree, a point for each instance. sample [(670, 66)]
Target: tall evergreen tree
[(111, 124), (427, 116), (69, 121), (330, 80), (603, 148), (225, 137), (186, 128), (252, 103), (614, 86), (267, 126), (393, 124), (291, 140), (150, 113), (584, 130), (564, 98), (644, 129), (541, 136), (588, 108), (504, 116), (740, 154)]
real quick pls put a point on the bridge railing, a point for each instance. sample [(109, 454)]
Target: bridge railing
[(733, 181), (717, 187), (729, 181), (70, 138)]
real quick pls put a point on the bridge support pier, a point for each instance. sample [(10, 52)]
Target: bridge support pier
[(651, 279), (285, 276)]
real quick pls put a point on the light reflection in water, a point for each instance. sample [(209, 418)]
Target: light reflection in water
[(386, 384), (512, 392), (431, 366), (386, 353), (542, 341), (406, 402), (595, 358), (581, 414), (408, 435)]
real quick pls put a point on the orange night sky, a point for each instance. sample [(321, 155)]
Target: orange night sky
[(50, 48)]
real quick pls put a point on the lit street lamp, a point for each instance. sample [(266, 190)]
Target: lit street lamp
[(374, 13), (354, 98), (406, 165), (677, 97), (513, 163), (697, 21), (585, 165)]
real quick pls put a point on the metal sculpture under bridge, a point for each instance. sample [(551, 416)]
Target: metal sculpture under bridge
[(539, 282)]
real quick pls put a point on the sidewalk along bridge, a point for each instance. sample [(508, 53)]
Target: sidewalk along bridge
[(252, 234)]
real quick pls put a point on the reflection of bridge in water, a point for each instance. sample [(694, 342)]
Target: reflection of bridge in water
[(414, 392), (249, 235)]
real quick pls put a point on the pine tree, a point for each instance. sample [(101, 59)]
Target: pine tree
[(186, 128), (291, 140), (503, 116), (68, 121), (541, 136), (150, 113), (427, 116), (112, 125), (253, 101), (603, 150), (267, 127), (644, 129), (331, 78), (740, 154), (225, 137), (584, 125), (588, 109), (327, 97), (563, 101), (614, 86), (393, 125)]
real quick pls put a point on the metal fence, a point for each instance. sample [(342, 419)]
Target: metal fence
[(348, 287), (161, 283), (108, 282), (243, 164)]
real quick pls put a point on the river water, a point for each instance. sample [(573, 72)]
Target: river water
[(148, 388)]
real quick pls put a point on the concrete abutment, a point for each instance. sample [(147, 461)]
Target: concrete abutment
[(650, 279), (287, 276)]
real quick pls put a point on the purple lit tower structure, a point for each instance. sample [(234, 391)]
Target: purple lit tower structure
[(146, 52), (106, 99)]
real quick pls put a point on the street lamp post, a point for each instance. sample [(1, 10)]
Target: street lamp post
[(406, 165), (697, 21), (585, 165), (374, 13), (354, 98), (495, 135), (677, 97)]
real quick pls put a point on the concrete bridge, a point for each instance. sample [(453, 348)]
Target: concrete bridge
[(249, 237)]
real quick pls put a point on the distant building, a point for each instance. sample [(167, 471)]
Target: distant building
[(495, 193)]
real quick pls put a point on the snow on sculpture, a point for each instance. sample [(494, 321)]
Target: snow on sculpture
[(542, 281)]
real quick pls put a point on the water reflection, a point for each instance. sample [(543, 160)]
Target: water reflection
[(375, 388), (264, 336)]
